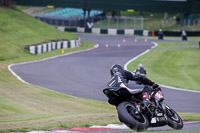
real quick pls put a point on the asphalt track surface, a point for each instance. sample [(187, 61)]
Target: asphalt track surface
[(188, 127), (85, 74)]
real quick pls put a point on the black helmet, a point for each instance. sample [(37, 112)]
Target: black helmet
[(116, 68)]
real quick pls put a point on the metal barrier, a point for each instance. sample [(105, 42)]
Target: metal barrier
[(103, 22)]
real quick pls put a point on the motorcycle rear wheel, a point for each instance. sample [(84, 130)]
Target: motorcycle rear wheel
[(126, 114), (174, 120)]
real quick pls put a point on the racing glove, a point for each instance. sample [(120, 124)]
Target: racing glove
[(154, 86)]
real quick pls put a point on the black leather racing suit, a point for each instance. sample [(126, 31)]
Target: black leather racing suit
[(124, 76), (140, 70)]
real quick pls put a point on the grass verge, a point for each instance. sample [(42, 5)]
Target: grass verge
[(26, 107), (18, 29), (166, 44), (173, 67), (176, 38), (190, 116)]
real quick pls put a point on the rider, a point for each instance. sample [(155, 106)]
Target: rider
[(125, 76), (140, 70)]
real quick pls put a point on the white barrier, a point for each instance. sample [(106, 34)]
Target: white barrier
[(39, 49), (145, 32), (96, 30), (72, 42), (49, 46), (112, 31), (46, 47), (65, 44), (61, 28), (80, 29), (129, 32)]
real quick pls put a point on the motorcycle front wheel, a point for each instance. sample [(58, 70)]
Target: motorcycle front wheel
[(174, 120), (127, 114)]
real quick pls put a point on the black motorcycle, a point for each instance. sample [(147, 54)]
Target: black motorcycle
[(138, 116)]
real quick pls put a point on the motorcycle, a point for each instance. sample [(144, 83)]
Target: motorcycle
[(138, 116)]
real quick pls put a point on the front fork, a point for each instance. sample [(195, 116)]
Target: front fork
[(155, 113), (141, 108), (138, 107)]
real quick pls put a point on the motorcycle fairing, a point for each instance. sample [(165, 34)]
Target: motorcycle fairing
[(158, 95), (132, 88)]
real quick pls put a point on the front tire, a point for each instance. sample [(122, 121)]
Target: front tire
[(174, 120), (126, 114)]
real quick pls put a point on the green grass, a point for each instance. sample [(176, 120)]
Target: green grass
[(22, 7), (166, 44), (190, 116), (26, 107), (18, 29), (173, 67)]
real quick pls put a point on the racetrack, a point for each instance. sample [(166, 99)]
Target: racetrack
[(85, 74)]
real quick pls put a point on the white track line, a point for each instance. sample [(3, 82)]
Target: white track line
[(18, 77), (126, 65), (112, 126), (169, 87), (179, 89), (155, 45)]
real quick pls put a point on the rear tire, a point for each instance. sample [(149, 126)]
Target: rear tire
[(126, 114), (174, 120)]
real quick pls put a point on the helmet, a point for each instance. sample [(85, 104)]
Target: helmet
[(140, 65), (116, 68)]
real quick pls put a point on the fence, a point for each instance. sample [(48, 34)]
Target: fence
[(183, 22), (119, 23), (188, 22), (102, 22)]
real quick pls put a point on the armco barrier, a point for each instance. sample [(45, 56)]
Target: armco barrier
[(178, 33), (127, 32), (106, 31), (53, 45)]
